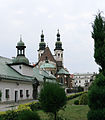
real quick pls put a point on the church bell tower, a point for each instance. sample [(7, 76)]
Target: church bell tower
[(58, 51), (42, 46)]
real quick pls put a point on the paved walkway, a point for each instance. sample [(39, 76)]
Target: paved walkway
[(11, 106)]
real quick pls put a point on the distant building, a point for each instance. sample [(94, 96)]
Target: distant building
[(83, 79), (53, 64)]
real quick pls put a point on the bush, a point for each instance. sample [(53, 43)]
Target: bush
[(76, 102), (69, 97), (96, 114), (52, 98), (80, 89), (35, 106), (28, 115), (10, 115), (96, 97), (83, 99)]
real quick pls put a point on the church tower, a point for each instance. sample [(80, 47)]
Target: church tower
[(20, 53), (58, 51), (42, 46)]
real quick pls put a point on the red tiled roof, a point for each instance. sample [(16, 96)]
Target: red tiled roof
[(47, 53)]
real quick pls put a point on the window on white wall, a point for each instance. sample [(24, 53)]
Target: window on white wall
[(21, 93), (7, 93), (27, 93)]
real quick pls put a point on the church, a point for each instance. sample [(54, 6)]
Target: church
[(53, 63), (20, 80)]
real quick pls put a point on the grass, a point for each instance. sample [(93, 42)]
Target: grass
[(71, 112)]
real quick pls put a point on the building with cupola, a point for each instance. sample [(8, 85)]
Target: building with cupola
[(18, 79), (53, 64)]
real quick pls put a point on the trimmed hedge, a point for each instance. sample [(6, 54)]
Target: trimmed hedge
[(13, 114), (75, 95), (76, 102), (83, 99)]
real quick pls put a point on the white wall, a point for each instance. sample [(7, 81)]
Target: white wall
[(23, 69), (12, 86), (58, 58)]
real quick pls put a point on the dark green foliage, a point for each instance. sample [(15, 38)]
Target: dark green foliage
[(76, 102), (98, 35), (96, 97), (83, 99), (28, 115), (98, 114), (52, 97), (35, 106), (97, 93), (1, 118), (69, 97), (80, 89), (10, 115)]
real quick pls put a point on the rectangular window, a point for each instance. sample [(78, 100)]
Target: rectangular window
[(7, 93), (27, 93), (21, 93)]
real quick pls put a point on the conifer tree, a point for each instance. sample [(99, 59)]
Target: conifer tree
[(98, 35), (96, 94)]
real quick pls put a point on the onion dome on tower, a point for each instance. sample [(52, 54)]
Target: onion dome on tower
[(42, 44), (58, 44), (20, 53)]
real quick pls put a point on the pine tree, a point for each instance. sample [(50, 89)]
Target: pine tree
[(96, 94), (98, 35)]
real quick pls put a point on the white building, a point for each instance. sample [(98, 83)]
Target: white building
[(82, 79), (18, 79)]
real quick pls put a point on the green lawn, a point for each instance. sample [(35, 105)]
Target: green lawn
[(71, 112)]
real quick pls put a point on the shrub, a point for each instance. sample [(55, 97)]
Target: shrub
[(35, 106), (28, 115), (76, 102), (69, 97), (83, 99), (96, 97), (52, 98), (80, 89), (96, 114), (23, 107), (10, 115)]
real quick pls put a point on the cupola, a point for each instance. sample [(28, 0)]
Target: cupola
[(21, 53)]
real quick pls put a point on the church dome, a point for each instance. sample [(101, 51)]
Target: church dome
[(47, 65), (21, 59), (20, 43)]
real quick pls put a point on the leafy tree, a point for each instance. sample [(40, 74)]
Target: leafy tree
[(98, 35), (52, 98)]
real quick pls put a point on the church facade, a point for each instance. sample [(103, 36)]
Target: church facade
[(53, 63)]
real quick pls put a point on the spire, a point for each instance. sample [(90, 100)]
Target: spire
[(42, 37), (58, 35), (20, 37), (42, 44), (58, 44)]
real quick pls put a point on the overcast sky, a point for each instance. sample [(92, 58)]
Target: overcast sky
[(72, 17)]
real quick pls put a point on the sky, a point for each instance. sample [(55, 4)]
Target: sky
[(73, 18)]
